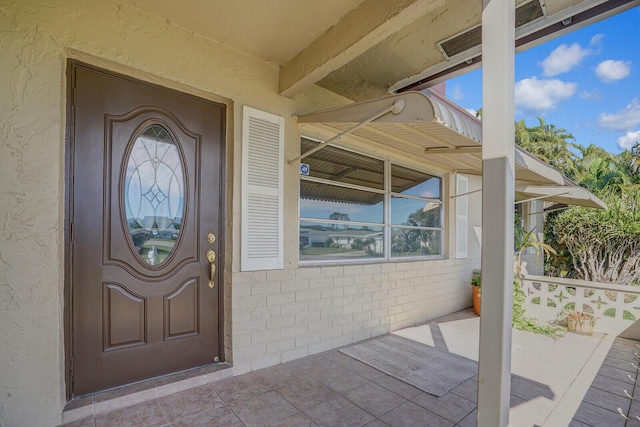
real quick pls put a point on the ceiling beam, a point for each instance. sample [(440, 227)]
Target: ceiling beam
[(358, 31)]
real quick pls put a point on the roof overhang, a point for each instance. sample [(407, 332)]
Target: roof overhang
[(427, 127)]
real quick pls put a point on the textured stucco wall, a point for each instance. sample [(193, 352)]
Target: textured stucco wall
[(36, 38)]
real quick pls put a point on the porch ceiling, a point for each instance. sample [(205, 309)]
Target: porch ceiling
[(363, 49)]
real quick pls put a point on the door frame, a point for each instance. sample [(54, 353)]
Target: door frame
[(224, 191)]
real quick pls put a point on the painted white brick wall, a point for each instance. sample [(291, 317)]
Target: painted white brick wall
[(277, 316)]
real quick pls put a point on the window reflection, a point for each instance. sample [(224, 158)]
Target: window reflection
[(154, 195), (415, 242), (322, 241), (416, 213)]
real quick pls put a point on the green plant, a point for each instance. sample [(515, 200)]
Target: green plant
[(524, 323), (476, 280), (528, 239)]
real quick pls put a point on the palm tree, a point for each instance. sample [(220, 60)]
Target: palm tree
[(596, 170), (416, 240), (547, 142)]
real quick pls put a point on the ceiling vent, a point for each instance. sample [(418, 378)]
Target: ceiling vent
[(462, 42)]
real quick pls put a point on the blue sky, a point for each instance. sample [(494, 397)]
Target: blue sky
[(586, 81)]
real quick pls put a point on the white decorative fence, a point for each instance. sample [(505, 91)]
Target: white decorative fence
[(615, 307)]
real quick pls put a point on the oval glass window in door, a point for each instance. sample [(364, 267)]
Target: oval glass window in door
[(154, 194)]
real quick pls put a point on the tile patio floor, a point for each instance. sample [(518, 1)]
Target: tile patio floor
[(575, 381)]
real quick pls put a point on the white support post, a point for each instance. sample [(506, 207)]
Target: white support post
[(498, 151)]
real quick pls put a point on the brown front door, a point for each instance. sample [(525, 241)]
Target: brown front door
[(145, 211)]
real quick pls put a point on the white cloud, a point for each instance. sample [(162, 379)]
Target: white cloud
[(609, 71), (624, 120), (593, 95), (542, 95), (596, 41), (456, 93), (627, 141), (563, 58)]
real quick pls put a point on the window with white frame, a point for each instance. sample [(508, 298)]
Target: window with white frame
[(358, 207)]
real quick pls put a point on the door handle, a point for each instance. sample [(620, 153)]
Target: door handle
[(211, 257)]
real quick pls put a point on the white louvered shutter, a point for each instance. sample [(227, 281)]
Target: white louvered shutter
[(462, 213), (262, 198)]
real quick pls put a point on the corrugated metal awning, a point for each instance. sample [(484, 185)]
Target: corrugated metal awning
[(568, 194), (429, 127)]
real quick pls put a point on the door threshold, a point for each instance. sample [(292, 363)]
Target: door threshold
[(98, 403)]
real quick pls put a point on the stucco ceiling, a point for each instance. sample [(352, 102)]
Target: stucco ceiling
[(362, 49), (271, 30)]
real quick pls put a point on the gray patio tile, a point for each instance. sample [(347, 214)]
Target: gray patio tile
[(295, 420), (261, 409), (305, 392), (276, 376), (85, 422), (190, 402), (338, 378), (377, 423), (467, 390), (398, 387), (450, 406), (617, 374), (612, 386), (529, 390), (220, 416), (338, 411), (310, 362), (374, 398), (143, 414), (607, 400), (410, 414), (633, 423), (576, 423), (356, 366), (596, 416), (241, 386), (469, 420)]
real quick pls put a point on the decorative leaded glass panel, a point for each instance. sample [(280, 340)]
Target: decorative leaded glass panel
[(154, 194)]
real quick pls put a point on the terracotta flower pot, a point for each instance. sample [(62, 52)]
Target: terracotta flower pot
[(476, 299), (580, 322)]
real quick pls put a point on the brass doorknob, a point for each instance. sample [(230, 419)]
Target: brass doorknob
[(211, 257)]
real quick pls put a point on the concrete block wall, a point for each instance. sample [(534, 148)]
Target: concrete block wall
[(281, 315)]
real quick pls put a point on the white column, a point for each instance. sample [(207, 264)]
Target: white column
[(498, 57)]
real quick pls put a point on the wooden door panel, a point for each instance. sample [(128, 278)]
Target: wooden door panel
[(124, 318), (141, 301), (181, 311)]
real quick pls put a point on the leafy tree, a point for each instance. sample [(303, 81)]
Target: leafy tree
[(337, 216), (547, 142), (596, 170), (604, 244)]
